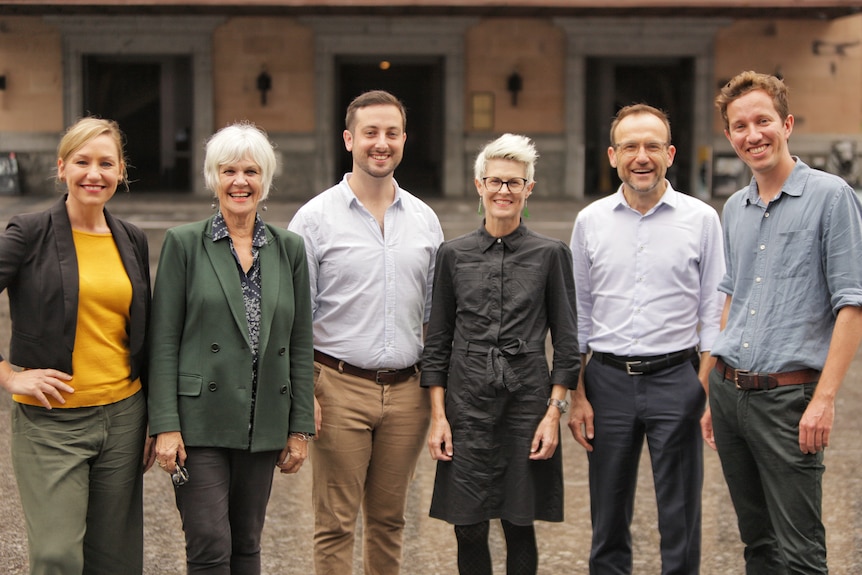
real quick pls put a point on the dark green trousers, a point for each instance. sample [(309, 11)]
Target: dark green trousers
[(776, 489), (80, 479)]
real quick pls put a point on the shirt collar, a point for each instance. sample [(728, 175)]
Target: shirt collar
[(221, 232), (349, 196), (511, 241), (668, 198), (793, 185)]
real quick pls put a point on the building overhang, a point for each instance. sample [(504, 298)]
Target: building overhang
[(807, 9)]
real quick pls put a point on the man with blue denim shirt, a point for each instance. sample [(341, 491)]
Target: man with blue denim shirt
[(792, 323)]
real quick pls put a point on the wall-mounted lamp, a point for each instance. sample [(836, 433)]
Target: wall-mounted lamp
[(3, 82), (823, 48), (514, 84), (264, 85)]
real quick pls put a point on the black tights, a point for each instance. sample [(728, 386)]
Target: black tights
[(474, 556)]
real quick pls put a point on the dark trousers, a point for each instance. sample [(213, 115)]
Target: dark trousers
[(776, 489), (665, 407), (223, 508)]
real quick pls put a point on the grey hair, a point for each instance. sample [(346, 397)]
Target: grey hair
[(508, 147), (237, 142)]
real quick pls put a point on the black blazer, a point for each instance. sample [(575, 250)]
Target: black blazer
[(39, 266)]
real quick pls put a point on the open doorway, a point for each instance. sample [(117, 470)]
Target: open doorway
[(150, 97), (612, 83), (418, 83)]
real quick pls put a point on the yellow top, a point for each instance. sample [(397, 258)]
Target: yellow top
[(100, 361)]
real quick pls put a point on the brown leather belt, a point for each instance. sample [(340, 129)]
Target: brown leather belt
[(747, 380), (381, 376)]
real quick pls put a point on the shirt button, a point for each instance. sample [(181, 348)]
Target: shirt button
[(757, 280), (745, 345), (499, 240), (762, 246), (753, 312), (766, 215)]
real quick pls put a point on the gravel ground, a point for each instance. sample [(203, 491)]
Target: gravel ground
[(430, 544)]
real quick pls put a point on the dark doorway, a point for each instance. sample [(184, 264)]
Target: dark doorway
[(419, 84), (613, 83), (151, 99)]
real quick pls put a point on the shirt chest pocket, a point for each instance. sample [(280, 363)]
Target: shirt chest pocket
[(796, 257), (471, 289)]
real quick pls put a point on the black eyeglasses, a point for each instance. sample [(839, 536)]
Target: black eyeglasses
[(180, 476), (514, 185)]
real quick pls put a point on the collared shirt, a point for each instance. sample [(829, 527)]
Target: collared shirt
[(251, 286), (791, 265), (496, 298), (647, 284), (371, 292)]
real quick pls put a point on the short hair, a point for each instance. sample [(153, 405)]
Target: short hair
[(748, 81), (373, 98), (634, 109), (508, 147), (237, 142), (88, 128)]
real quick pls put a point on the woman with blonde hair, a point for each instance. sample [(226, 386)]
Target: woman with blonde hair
[(79, 293)]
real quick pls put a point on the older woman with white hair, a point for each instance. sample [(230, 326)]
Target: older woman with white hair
[(231, 392)]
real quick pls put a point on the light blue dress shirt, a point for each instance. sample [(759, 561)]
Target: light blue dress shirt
[(791, 266), (371, 292), (647, 284)]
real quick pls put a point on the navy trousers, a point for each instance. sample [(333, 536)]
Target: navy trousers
[(665, 407)]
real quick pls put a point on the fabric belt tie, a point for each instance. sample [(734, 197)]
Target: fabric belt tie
[(642, 365), (498, 373), (380, 376), (747, 380)]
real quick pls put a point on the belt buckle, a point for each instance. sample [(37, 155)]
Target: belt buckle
[(736, 374), (383, 372), (629, 365)]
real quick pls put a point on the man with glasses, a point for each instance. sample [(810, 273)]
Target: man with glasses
[(371, 250), (647, 264)]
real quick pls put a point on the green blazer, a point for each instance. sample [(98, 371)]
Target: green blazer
[(200, 358)]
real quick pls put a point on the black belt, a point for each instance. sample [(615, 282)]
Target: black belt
[(381, 376), (642, 365)]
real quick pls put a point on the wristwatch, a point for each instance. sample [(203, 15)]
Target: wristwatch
[(560, 404)]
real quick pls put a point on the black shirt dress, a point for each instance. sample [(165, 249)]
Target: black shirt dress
[(494, 302)]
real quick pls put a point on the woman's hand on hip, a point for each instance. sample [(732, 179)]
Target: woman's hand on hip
[(37, 383)]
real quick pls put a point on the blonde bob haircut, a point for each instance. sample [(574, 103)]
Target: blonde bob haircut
[(236, 142), (508, 147), (89, 128)]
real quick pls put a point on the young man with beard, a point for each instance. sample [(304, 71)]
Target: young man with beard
[(647, 262), (371, 250)]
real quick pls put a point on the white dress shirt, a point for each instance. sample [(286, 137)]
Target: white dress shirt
[(648, 284), (370, 290)]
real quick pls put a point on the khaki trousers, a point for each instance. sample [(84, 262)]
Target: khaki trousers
[(364, 457)]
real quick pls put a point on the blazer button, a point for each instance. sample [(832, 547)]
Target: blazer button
[(214, 348), (212, 386), (281, 351), (283, 389)]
